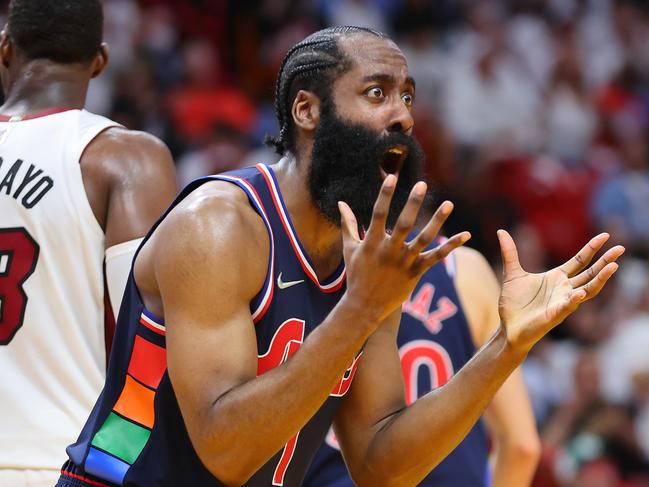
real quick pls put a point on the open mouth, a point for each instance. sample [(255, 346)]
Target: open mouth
[(393, 159)]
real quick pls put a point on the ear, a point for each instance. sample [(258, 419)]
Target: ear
[(6, 48), (306, 110), (101, 60)]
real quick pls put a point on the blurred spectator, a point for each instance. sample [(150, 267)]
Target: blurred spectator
[(625, 356), (586, 435), (203, 100), (489, 100), (571, 118), (569, 418), (620, 205), (551, 197), (426, 61), (531, 41), (121, 24), (364, 13), (630, 19), (159, 39), (225, 150), (601, 53)]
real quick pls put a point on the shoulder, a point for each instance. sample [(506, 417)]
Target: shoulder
[(119, 150), (121, 159), (474, 275), (470, 263), (129, 178), (214, 229), (120, 137), (215, 207)]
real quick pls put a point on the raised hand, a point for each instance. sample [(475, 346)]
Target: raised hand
[(382, 268), (531, 305)]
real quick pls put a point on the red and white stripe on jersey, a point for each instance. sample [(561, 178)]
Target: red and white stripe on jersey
[(267, 291), (306, 266), (152, 324)]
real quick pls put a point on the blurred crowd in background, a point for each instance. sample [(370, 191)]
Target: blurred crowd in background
[(534, 115)]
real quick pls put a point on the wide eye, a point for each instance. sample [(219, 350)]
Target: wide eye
[(408, 99), (375, 92)]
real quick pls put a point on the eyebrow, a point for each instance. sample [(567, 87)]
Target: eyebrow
[(388, 78)]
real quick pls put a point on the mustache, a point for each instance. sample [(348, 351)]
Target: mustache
[(394, 138), (368, 141)]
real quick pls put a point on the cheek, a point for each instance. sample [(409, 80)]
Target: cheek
[(356, 108), (366, 114)]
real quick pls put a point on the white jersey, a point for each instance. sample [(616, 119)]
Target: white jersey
[(52, 346)]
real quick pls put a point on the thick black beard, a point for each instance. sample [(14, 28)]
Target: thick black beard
[(345, 166)]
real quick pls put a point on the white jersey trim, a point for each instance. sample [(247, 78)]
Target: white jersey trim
[(330, 287)]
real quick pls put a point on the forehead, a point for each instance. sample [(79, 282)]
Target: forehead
[(374, 55)]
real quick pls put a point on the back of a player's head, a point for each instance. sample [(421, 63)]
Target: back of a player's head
[(63, 31), (312, 65)]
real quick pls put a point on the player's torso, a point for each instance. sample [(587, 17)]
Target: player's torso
[(52, 352), (434, 342), (289, 306)]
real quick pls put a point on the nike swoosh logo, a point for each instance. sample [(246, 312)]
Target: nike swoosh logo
[(284, 285)]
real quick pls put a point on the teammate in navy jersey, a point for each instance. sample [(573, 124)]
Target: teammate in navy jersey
[(242, 335), (452, 309)]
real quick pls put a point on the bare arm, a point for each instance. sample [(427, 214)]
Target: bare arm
[(509, 416), (388, 444), (129, 179)]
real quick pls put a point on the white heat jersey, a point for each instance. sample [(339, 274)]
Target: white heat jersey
[(52, 346)]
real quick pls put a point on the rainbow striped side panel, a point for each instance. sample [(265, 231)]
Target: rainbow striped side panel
[(126, 431)]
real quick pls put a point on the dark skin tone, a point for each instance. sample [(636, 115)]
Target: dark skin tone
[(226, 407), (119, 167)]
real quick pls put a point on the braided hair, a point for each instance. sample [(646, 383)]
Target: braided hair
[(310, 65)]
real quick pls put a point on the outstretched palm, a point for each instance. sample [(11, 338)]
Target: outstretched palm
[(530, 305)]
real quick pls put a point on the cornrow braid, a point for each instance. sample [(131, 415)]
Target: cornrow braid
[(310, 65)]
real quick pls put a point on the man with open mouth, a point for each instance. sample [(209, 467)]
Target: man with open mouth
[(264, 304)]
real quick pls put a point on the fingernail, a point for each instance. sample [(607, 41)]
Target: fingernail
[(390, 181), (420, 188)]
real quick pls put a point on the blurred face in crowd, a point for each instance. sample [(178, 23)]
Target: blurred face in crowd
[(365, 132), (634, 152)]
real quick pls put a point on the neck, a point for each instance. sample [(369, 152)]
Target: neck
[(42, 84), (321, 238)]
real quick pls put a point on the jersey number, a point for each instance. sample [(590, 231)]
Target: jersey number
[(415, 355), (424, 353), (287, 340), (18, 256)]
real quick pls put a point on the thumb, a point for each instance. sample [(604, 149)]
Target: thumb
[(511, 264)]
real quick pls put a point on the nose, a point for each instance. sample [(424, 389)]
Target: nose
[(401, 119)]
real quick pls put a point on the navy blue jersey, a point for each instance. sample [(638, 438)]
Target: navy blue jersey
[(135, 435), (434, 342)]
